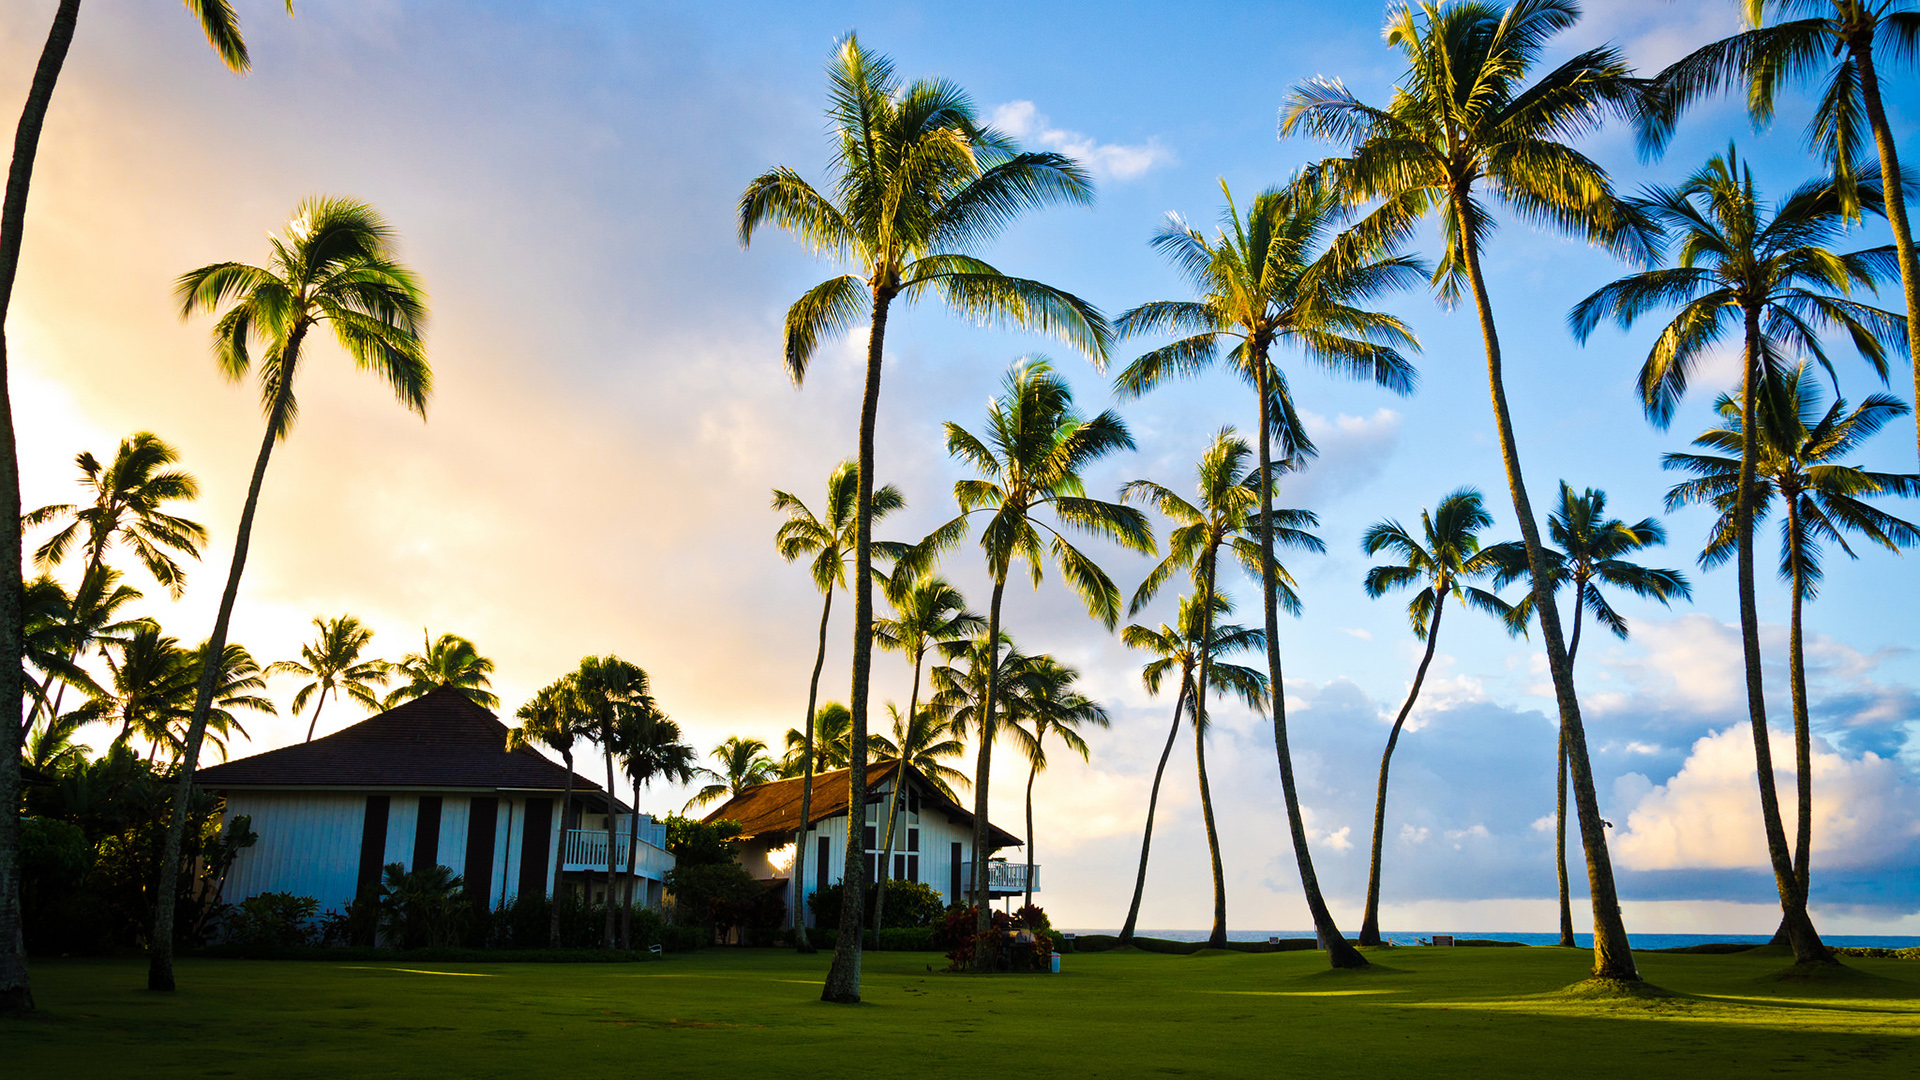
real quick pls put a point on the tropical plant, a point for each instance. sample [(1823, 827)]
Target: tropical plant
[(420, 908), (448, 660), (650, 748), (1278, 276), (335, 267), (613, 695), (554, 718), (831, 539), (1851, 41), (1055, 708), (1822, 500), (1591, 546), (333, 662), (832, 743), (1030, 459), (1464, 121), (1770, 281), (150, 685), (743, 764), (918, 185), (61, 632), (1442, 560), (920, 743), (126, 506), (222, 28), (1180, 650)]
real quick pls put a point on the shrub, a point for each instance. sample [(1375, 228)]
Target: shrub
[(909, 904), (422, 908), (273, 919)]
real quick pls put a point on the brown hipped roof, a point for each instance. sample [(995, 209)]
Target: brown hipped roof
[(775, 807), (438, 740)]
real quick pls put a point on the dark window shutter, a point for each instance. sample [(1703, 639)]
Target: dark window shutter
[(820, 866), (953, 892), (482, 818), (913, 839), (536, 847), (373, 846), (426, 833)]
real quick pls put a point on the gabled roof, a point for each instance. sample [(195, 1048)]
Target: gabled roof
[(438, 740), (775, 807)]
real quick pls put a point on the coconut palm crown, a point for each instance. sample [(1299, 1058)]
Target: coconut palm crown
[(128, 496), (332, 661)]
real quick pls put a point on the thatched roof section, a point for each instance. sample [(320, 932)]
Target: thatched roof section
[(774, 808)]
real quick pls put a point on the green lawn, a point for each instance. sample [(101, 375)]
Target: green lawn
[(1437, 1012)]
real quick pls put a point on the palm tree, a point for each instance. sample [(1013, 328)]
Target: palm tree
[(743, 764), (920, 743), (830, 539), (611, 692), (238, 683), (1771, 280), (1181, 649), (127, 502), (1591, 546), (333, 662), (1031, 457), (1464, 121), (149, 682), (918, 184), (47, 634), (89, 619), (449, 660), (651, 748), (223, 33), (1839, 38), (1274, 277), (1054, 708), (832, 743), (1450, 557), (1798, 462), (335, 267), (553, 717)]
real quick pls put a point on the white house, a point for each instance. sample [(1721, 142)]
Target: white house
[(932, 843), (430, 782)]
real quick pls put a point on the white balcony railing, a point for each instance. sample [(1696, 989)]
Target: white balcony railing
[(586, 849), (1002, 877)]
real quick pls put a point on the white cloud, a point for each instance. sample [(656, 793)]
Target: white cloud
[(1106, 161), (1363, 635), (1475, 831), (1340, 839), (1411, 835), (1708, 815), (1544, 823)]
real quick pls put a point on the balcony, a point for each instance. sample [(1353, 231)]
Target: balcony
[(586, 850), (1003, 878)]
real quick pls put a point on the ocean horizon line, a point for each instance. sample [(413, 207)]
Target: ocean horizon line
[(1585, 941)]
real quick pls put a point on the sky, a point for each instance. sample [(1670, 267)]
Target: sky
[(611, 414)]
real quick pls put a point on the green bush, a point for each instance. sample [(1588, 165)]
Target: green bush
[(909, 904), (279, 919), (421, 908)]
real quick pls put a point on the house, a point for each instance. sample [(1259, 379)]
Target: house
[(429, 782), (932, 843)]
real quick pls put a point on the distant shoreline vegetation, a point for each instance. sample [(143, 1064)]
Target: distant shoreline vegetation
[(1641, 941)]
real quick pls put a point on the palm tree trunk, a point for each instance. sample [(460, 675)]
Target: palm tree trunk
[(899, 779), (843, 978), (1560, 793), (1612, 953), (16, 989), (1896, 198), (1153, 800), (1807, 946), (160, 966), (797, 915), (1802, 732), (1218, 938), (633, 857), (1033, 771), (983, 763), (606, 735), (315, 722), (1340, 952), (1370, 924), (560, 856)]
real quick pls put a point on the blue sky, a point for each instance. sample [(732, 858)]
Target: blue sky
[(611, 413)]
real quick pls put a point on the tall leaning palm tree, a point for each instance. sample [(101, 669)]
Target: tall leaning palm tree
[(1591, 554), (1179, 651), (334, 269), (831, 538), (332, 661), (553, 717), (1054, 708), (1464, 123), (1852, 42), (448, 660), (918, 185), (1030, 457), (222, 28), (1441, 560), (223, 33), (1770, 282), (1822, 500), (1278, 277)]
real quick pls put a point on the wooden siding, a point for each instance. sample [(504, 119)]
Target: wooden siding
[(937, 835)]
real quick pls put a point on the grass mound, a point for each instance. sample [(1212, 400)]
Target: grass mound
[(1710, 948), (1829, 971), (1612, 990)]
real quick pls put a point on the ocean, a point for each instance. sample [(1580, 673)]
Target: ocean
[(1640, 941)]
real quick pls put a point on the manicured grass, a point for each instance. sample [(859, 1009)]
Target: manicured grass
[(1434, 1013)]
